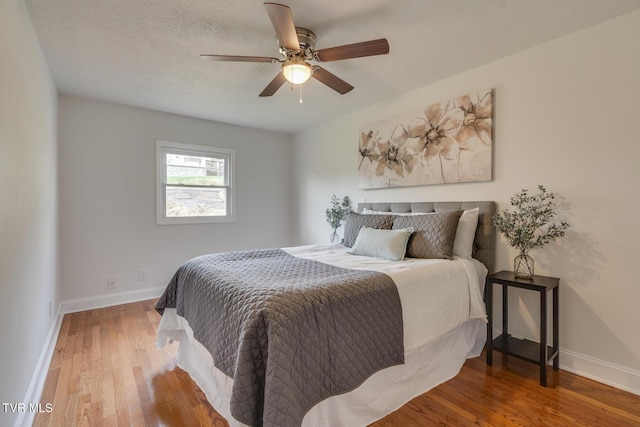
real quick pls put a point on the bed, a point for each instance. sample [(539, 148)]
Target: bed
[(341, 337)]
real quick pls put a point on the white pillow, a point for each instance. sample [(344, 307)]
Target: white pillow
[(466, 233), (388, 244)]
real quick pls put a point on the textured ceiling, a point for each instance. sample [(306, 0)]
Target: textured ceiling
[(146, 52)]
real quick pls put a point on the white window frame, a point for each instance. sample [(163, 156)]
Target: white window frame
[(163, 147)]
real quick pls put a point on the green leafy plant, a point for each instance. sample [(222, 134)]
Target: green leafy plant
[(531, 225), (338, 211)]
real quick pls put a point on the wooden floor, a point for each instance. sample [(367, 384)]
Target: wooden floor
[(106, 371)]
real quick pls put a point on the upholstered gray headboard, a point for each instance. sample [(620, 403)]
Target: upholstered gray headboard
[(485, 243)]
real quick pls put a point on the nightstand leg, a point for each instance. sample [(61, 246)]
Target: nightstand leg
[(556, 328), (488, 292), (505, 318), (543, 338)]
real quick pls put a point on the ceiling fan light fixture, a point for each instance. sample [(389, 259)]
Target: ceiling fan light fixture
[(296, 71)]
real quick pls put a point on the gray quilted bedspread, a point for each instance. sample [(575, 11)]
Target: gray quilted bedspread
[(289, 331)]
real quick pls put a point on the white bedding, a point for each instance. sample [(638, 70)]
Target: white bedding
[(443, 317), (436, 295)]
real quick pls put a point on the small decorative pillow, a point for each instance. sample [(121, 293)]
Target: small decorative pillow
[(388, 244), (466, 233), (434, 234), (356, 221)]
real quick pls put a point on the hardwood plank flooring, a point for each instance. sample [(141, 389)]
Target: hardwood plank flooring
[(106, 371)]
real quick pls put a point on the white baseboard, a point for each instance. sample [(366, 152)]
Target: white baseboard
[(108, 300), (598, 370), (34, 392), (617, 376)]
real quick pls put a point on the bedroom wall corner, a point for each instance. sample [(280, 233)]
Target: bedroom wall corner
[(564, 116), (29, 264)]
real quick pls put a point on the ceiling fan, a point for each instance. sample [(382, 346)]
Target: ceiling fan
[(297, 45)]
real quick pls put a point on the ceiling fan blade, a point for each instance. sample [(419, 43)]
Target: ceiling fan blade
[(274, 85), (236, 58), (282, 21), (331, 80), (355, 50)]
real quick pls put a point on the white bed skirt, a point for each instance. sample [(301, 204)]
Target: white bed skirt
[(387, 390)]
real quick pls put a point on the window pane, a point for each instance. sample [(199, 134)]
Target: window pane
[(194, 184), (195, 201), (195, 170)]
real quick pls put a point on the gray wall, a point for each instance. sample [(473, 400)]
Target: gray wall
[(108, 193), (28, 206)]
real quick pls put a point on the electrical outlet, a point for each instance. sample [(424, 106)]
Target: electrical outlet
[(111, 283), (142, 275)]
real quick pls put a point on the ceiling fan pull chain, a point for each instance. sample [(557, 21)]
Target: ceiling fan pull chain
[(300, 94)]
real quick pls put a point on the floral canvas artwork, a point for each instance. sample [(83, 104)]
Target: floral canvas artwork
[(445, 143)]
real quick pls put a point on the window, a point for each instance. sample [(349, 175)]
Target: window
[(194, 183)]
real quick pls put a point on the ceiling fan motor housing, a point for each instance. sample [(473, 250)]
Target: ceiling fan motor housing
[(307, 40)]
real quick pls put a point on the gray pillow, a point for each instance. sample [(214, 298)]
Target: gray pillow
[(433, 235), (356, 221)]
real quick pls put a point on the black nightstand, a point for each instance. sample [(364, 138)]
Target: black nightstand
[(522, 348)]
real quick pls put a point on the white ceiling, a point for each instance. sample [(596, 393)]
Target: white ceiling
[(145, 53)]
